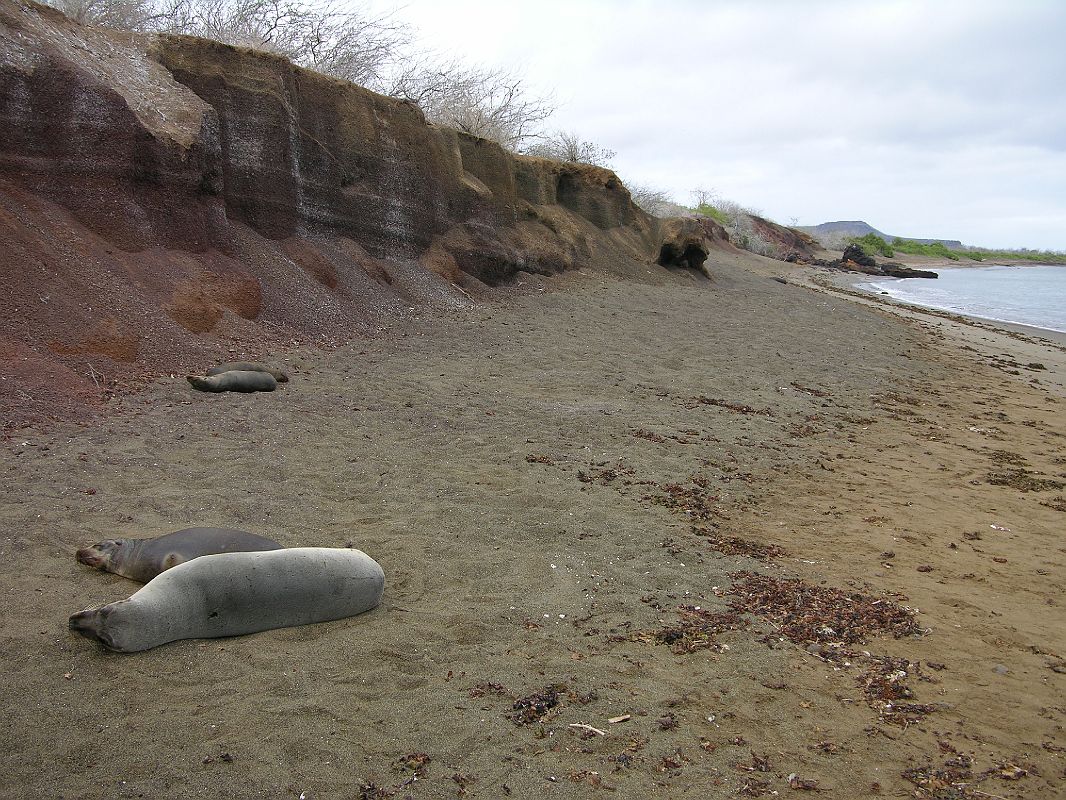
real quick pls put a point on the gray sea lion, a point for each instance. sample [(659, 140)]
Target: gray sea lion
[(143, 559), (236, 593), (237, 380), (248, 366)]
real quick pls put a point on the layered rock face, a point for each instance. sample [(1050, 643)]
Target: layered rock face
[(166, 200), (792, 244)]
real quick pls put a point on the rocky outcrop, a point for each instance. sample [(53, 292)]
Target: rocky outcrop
[(168, 200), (792, 244), (855, 259), (856, 255), (897, 270), (687, 241), (858, 260)]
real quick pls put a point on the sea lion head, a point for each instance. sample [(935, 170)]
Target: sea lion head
[(103, 554), (117, 626), (93, 623)]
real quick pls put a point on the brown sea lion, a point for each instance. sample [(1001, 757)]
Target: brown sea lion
[(243, 380), (236, 593), (248, 366), (143, 559)]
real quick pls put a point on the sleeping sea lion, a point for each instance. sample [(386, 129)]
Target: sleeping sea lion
[(248, 366), (237, 380), (143, 559), (236, 593)]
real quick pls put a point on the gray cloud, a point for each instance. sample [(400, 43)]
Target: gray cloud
[(925, 119)]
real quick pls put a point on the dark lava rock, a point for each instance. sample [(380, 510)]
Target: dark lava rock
[(897, 270), (855, 253)]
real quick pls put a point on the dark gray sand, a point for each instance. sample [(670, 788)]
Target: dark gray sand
[(545, 482)]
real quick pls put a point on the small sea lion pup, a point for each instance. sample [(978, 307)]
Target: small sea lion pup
[(237, 593), (236, 380), (248, 366), (143, 559)]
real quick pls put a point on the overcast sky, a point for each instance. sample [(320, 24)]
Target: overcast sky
[(924, 118)]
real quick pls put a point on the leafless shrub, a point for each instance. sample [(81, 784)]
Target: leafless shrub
[(656, 202), (359, 46), (135, 15), (492, 103), (569, 146), (353, 45)]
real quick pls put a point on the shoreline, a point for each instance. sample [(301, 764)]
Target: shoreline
[(860, 280), (1019, 351), (569, 492)]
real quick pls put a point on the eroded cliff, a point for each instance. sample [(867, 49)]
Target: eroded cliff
[(168, 200)]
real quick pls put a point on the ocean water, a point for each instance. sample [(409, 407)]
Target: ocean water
[(1024, 295)]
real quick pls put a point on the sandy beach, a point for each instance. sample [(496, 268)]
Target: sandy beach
[(681, 538)]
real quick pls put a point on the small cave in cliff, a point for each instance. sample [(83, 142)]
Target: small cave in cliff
[(691, 256)]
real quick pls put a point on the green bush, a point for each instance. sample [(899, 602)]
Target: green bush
[(935, 249), (939, 250), (1036, 256), (872, 245), (707, 210)]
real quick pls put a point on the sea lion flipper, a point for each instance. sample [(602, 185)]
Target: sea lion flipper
[(172, 560)]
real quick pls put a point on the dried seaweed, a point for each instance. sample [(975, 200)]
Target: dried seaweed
[(736, 546), (895, 398), (695, 501), (649, 435), (737, 408), (884, 685), (371, 791), (1023, 480), (536, 706), (1055, 503), (940, 783), (698, 629), (754, 787), (1007, 457), (606, 475), (804, 613)]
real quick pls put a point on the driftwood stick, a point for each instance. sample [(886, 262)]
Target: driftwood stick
[(584, 727)]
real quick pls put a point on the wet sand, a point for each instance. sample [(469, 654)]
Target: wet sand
[(1036, 355), (569, 490)]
